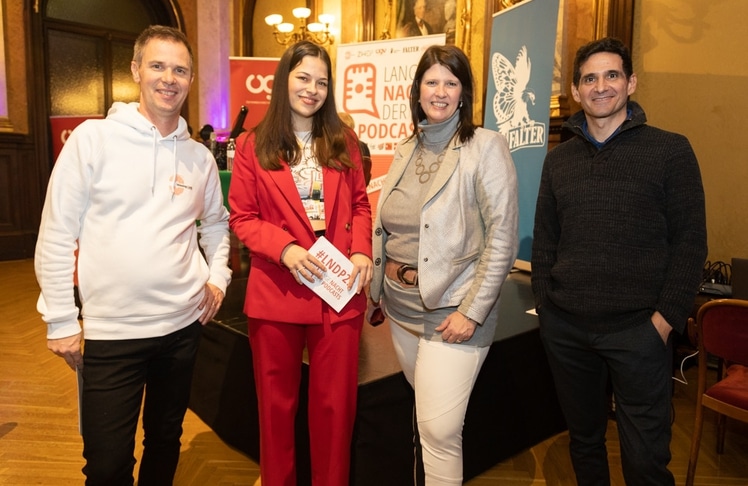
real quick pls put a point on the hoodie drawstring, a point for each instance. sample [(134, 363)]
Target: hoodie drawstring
[(174, 183), (155, 160), (155, 150)]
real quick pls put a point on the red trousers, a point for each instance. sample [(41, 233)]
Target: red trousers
[(277, 351)]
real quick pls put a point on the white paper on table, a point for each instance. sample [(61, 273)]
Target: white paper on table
[(333, 287)]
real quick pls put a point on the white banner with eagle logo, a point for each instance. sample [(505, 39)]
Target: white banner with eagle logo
[(518, 96)]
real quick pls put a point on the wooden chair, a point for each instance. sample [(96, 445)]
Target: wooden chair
[(722, 332)]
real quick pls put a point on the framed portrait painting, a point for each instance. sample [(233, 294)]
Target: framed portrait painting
[(426, 17), (408, 18)]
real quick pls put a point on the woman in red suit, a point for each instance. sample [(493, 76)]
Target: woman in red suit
[(298, 175)]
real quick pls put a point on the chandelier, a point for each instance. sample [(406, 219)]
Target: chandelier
[(317, 32)]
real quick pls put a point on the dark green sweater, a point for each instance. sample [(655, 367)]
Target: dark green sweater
[(620, 231)]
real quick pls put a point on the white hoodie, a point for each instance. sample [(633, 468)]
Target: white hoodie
[(128, 199)]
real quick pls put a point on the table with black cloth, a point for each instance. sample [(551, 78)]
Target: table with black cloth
[(513, 405)]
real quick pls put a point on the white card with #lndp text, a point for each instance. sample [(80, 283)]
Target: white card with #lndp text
[(333, 287)]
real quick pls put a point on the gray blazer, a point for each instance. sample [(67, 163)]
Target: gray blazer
[(468, 239)]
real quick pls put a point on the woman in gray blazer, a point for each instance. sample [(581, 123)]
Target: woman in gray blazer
[(445, 238)]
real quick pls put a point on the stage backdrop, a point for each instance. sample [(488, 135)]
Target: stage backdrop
[(251, 82), (518, 96), (372, 84)]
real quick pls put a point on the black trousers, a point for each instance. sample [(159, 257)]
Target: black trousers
[(638, 365), (116, 375)]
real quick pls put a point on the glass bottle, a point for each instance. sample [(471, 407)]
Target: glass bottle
[(230, 151)]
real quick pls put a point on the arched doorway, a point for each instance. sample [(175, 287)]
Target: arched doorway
[(87, 53), (76, 60)]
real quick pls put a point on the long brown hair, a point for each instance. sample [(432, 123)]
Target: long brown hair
[(275, 140)]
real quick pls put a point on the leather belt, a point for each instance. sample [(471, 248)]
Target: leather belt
[(406, 275)]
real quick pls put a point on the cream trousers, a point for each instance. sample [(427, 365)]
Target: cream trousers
[(442, 376)]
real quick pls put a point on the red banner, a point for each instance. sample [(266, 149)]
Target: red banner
[(61, 126), (251, 83)]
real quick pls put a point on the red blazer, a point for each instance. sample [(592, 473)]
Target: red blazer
[(267, 215)]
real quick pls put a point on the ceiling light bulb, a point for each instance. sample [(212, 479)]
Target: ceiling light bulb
[(326, 18), (285, 27), (302, 12), (273, 19)]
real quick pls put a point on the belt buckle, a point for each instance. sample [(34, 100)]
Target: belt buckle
[(401, 274)]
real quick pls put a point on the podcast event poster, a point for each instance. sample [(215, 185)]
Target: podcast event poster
[(518, 96), (372, 84)]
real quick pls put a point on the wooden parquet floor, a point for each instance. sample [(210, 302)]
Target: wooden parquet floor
[(39, 440), (40, 445)]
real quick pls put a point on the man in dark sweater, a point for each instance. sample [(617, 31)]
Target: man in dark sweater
[(619, 246)]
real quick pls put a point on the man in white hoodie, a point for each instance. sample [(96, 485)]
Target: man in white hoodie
[(131, 193)]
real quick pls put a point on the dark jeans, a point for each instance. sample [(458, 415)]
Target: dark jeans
[(639, 365), (115, 376)]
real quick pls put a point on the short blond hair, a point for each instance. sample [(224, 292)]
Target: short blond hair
[(162, 32)]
